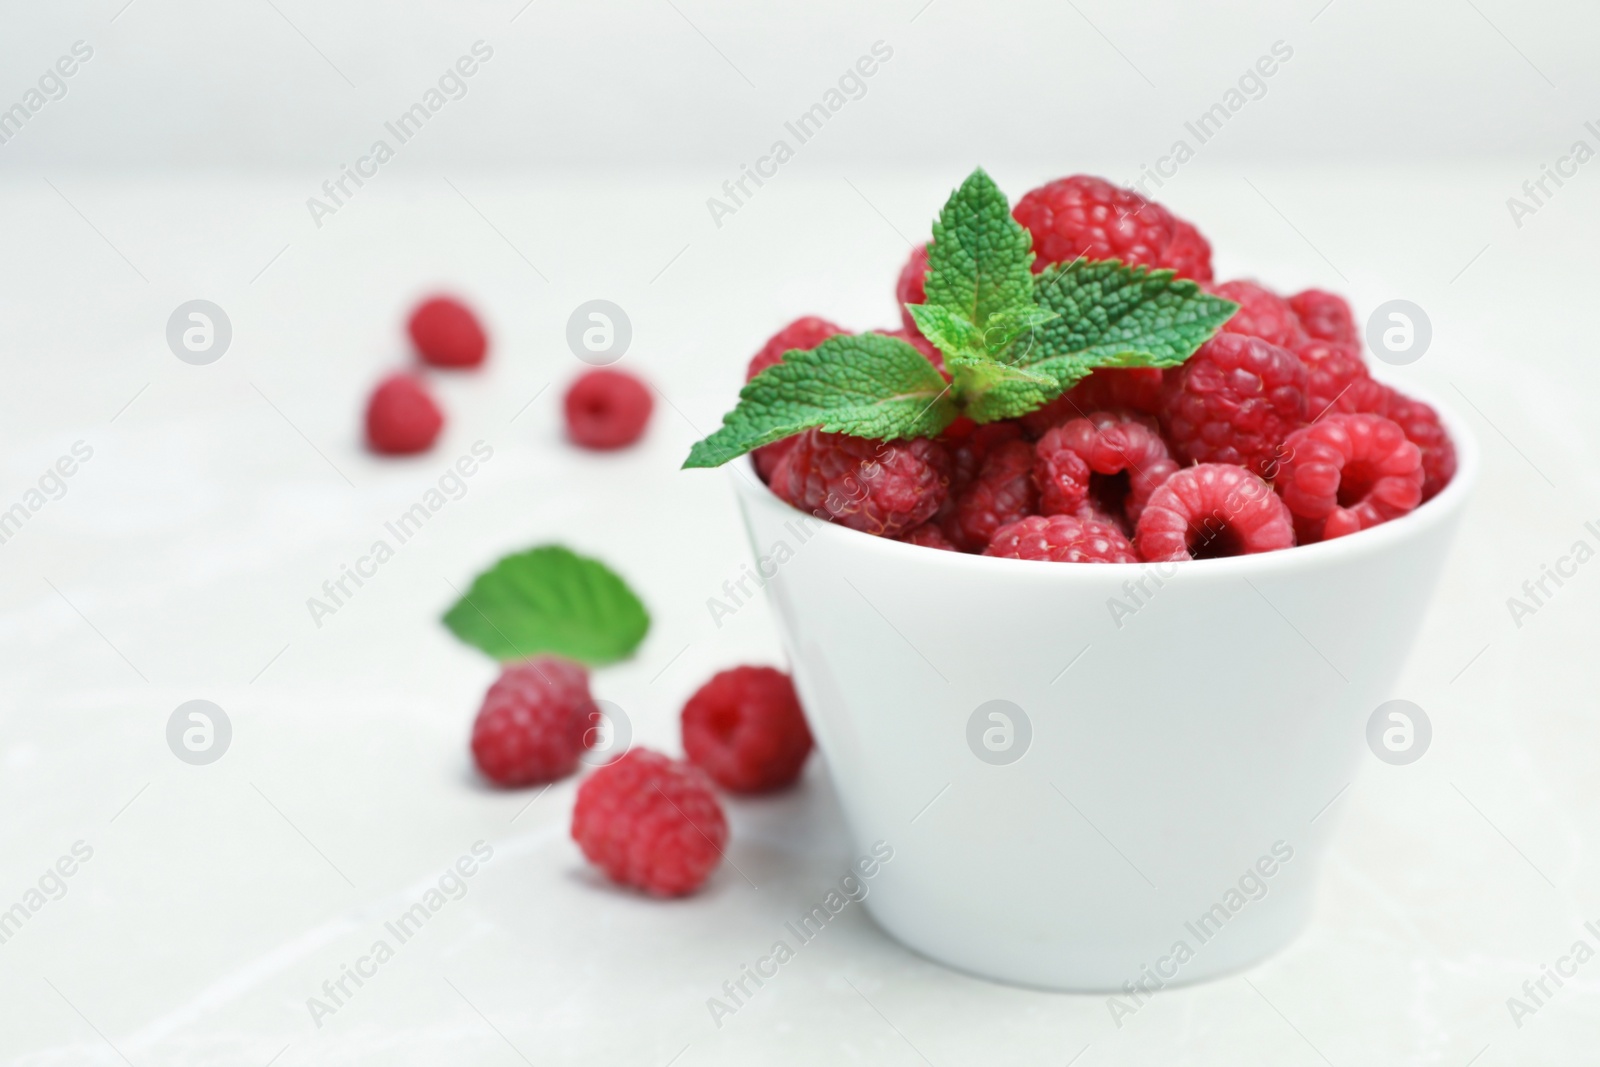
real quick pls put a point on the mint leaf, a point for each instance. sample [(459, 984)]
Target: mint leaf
[(549, 599), (950, 332), (980, 259), (1112, 315), (867, 385), (1004, 328), (997, 390)]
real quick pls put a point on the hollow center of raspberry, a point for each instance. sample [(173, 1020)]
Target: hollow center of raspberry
[(724, 723), (598, 410), (1110, 491), (1355, 482), (1214, 539)]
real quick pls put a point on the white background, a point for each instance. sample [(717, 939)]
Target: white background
[(178, 563)]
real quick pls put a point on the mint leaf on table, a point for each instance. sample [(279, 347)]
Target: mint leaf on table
[(1109, 314), (866, 385), (550, 600)]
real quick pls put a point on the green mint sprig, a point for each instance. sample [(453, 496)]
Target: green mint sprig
[(1011, 340)]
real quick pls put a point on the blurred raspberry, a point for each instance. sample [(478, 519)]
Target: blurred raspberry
[(1090, 218), (909, 287), (1346, 473), (402, 417), (534, 722), (879, 487), (746, 730), (650, 822), (447, 334), (1234, 401), (1105, 389), (1326, 316), (1423, 429), (1211, 511), (928, 535), (607, 409), (1262, 313), (1061, 539), (1001, 492)]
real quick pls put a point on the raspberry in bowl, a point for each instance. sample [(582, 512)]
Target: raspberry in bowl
[(1095, 675)]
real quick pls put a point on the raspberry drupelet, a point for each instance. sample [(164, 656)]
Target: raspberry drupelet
[(1211, 511), (1262, 313), (1346, 473), (650, 822)]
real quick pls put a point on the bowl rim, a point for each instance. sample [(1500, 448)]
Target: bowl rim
[(1441, 509)]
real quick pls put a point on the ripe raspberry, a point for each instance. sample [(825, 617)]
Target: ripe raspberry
[(803, 333), (447, 334), (745, 729), (1423, 429), (928, 535), (534, 723), (1061, 539), (1105, 389), (1002, 492), (650, 822), (1093, 219), (1211, 511), (1336, 376), (1326, 316), (1234, 401), (909, 287), (1115, 460), (401, 417), (879, 487), (1262, 313), (607, 409), (1346, 473)]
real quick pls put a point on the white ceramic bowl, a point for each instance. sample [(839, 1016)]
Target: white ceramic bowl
[(1162, 817)]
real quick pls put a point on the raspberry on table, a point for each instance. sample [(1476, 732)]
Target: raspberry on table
[(1262, 313), (1001, 492), (1211, 511), (746, 730), (805, 334), (1120, 460), (650, 822), (534, 723), (447, 334), (1422, 428), (1234, 401), (928, 535), (878, 487), (607, 409), (911, 286), (1089, 218), (1346, 473), (1135, 389), (1061, 539), (1326, 316), (402, 417)]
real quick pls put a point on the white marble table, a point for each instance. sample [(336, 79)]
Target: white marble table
[(177, 563)]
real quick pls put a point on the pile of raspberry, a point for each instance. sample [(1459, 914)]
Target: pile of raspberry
[(1272, 434), (648, 821)]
